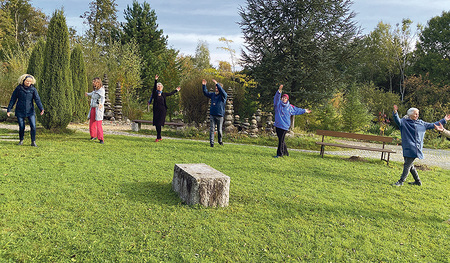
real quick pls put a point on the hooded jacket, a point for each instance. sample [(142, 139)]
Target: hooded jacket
[(24, 97), (283, 112)]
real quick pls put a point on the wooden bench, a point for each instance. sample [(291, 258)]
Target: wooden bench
[(136, 124), (363, 137)]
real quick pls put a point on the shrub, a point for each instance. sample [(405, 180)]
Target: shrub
[(3, 115)]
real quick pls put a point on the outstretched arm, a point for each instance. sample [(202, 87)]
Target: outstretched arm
[(173, 92), (441, 128)]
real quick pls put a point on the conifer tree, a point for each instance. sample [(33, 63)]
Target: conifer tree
[(304, 45), (80, 84), (36, 62), (56, 89)]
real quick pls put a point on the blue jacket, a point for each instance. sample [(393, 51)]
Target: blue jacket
[(218, 101), (412, 133), (24, 97), (283, 112)]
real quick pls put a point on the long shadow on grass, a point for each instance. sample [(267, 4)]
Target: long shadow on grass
[(158, 193)]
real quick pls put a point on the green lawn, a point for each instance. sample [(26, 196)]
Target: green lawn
[(73, 200)]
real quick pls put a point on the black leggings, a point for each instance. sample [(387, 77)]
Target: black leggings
[(282, 149), (158, 131)]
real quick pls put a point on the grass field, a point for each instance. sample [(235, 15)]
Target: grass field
[(73, 200)]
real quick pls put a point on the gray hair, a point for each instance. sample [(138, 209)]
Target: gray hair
[(159, 84), (411, 111), (24, 77)]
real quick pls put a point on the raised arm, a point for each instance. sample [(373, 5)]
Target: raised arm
[(277, 97), (395, 115), (156, 82), (221, 90), (205, 90)]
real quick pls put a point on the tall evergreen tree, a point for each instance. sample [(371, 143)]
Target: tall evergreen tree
[(56, 89), (80, 84), (102, 22), (36, 62), (301, 44), (141, 25)]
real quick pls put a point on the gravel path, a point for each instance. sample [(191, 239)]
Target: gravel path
[(433, 157)]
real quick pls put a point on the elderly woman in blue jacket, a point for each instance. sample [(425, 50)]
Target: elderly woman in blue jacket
[(24, 94), (412, 131), (283, 111)]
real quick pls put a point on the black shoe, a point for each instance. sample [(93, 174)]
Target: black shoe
[(221, 143), (398, 184), (93, 138), (419, 183), (101, 142), (20, 143), (277, 156), (212, 144), (33, 144)]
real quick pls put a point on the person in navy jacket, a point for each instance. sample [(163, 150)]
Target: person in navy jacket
[(23, 95), (216, 110), (283, 111), (412, 132)]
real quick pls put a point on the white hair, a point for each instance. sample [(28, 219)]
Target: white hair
[(411, 111), (26, 76), (159, 84)]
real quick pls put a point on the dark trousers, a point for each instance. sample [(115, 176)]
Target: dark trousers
[(215, 120), (158, 131), (408, 167), (282, 149), (32, 121)]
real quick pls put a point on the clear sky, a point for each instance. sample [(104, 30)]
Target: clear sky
[(185, 22)]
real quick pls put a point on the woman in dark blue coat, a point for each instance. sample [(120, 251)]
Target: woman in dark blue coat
[(160, 106), (23, 97)]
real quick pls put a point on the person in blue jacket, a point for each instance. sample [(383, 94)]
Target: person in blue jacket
[(216, 110), (412, 132), (23, 95), (283, 111)]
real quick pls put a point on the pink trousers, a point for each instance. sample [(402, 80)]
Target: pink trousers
[(95, 127)]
